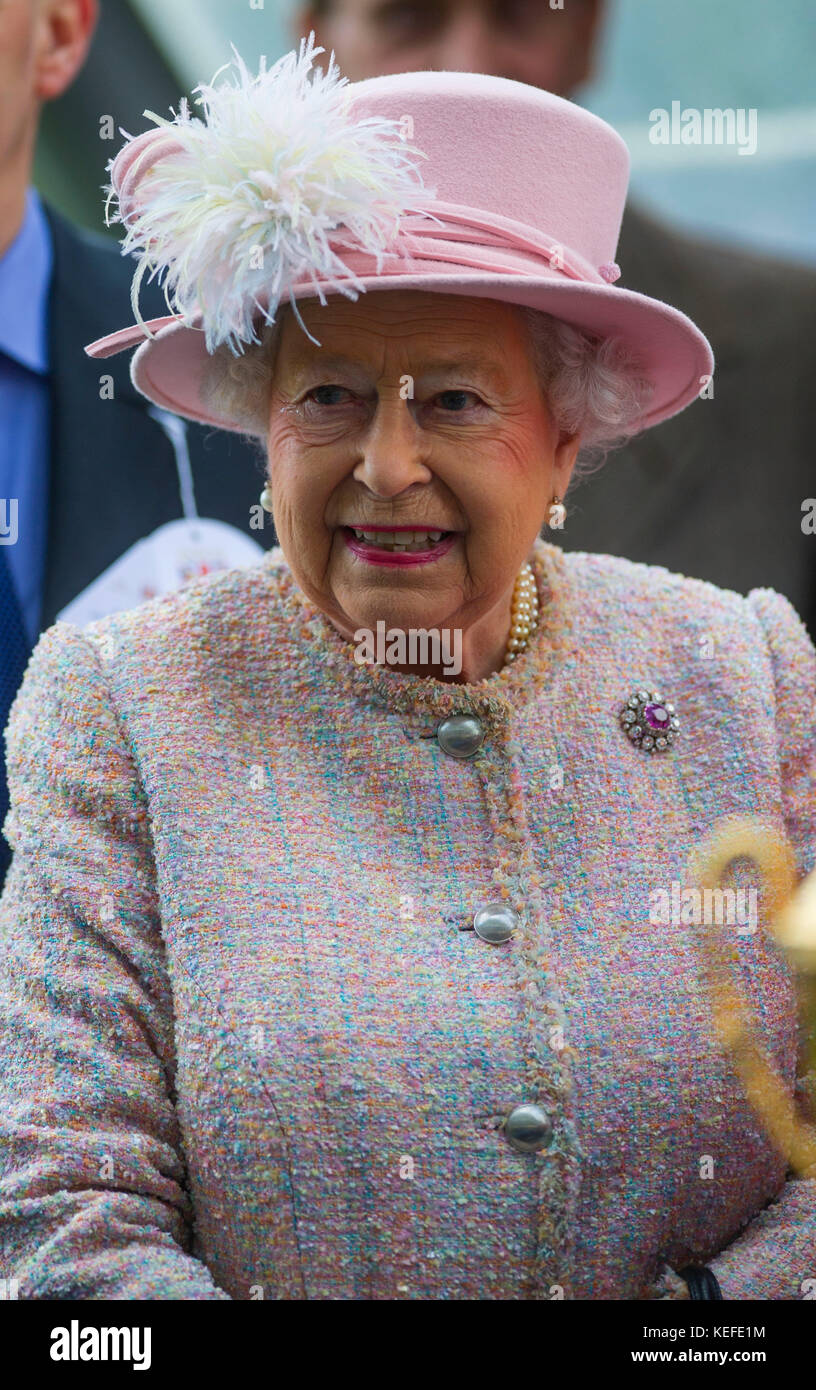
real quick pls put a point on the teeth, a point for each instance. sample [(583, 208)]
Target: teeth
[(399, 540)]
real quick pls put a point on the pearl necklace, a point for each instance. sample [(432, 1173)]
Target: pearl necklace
[(523, 613)]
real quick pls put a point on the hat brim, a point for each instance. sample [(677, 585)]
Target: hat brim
[(674, 354)]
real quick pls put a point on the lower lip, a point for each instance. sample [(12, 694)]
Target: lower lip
[(373, 555)]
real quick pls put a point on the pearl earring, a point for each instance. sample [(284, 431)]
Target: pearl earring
[(557, 514), (266, 499)]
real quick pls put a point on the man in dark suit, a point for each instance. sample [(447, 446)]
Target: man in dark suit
[(86, 468), (725, 491)]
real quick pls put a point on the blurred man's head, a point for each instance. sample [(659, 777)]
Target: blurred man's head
[(528, 40), (43, 44)]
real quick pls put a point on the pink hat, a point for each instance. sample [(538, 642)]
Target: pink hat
[(301, 185)]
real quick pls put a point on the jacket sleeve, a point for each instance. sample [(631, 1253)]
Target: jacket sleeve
[(92, 1176), (774, 1256)]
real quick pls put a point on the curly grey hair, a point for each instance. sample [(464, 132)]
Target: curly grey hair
[(593, 386)]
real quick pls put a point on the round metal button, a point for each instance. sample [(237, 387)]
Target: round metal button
[(528, 1128), (495, 923), (460, 736)]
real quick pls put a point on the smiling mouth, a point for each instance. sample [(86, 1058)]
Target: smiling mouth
[(398, 540)]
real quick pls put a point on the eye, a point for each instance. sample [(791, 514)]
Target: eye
[(408, 19), (455, 402), (329, 395)]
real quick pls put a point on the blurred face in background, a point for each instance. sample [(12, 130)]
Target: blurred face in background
[(43, 44), (526, 40), (18, 52)]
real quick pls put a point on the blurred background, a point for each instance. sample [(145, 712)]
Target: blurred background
[(737, 53)]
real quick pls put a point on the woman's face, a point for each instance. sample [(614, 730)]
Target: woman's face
[(418, 411)]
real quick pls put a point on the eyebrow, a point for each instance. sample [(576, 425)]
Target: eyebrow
[(472, 362)]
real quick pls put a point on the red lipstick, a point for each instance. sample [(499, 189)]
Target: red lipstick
[(373, 554)]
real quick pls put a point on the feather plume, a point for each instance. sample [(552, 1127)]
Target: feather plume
[(230, 211)]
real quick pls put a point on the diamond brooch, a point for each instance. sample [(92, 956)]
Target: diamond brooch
[(649, 721)]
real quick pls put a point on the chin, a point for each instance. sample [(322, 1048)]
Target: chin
[(396, 615)]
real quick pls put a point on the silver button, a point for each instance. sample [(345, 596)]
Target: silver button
[(460, 736), (528, 1128), (495, 923)]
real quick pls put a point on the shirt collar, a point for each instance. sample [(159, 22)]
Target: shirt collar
[(25, 275)]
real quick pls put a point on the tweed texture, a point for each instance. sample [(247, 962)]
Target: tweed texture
[(248, 1048)]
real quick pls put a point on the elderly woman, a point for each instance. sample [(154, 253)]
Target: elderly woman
[(332, 965)]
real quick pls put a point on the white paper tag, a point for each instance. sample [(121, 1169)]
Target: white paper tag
[(173, 555)]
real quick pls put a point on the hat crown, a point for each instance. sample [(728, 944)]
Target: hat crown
[(512, 151), (448, 182)]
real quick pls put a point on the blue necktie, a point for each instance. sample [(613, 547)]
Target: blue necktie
[(14, 653)]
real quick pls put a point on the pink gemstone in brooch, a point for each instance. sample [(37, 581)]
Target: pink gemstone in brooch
[(649, 721), (610, 272)]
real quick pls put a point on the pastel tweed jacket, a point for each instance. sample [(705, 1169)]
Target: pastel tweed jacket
[(250, 1047)]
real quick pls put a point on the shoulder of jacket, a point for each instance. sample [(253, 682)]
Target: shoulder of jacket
[(723, 287), (723, 266), (600, 582), (213, 609), (686, 618)]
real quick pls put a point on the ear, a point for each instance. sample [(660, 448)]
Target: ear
[(64, 33), (588, 21), (564, 457)]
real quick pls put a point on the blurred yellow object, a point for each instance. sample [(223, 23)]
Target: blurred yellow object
[(791, 916)]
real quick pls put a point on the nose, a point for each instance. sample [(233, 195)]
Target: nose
[(469, 45), (392, 451)]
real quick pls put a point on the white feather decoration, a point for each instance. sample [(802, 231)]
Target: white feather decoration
[(241, 205)]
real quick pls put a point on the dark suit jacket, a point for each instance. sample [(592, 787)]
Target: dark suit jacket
[(717, 492), (113, 472)]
